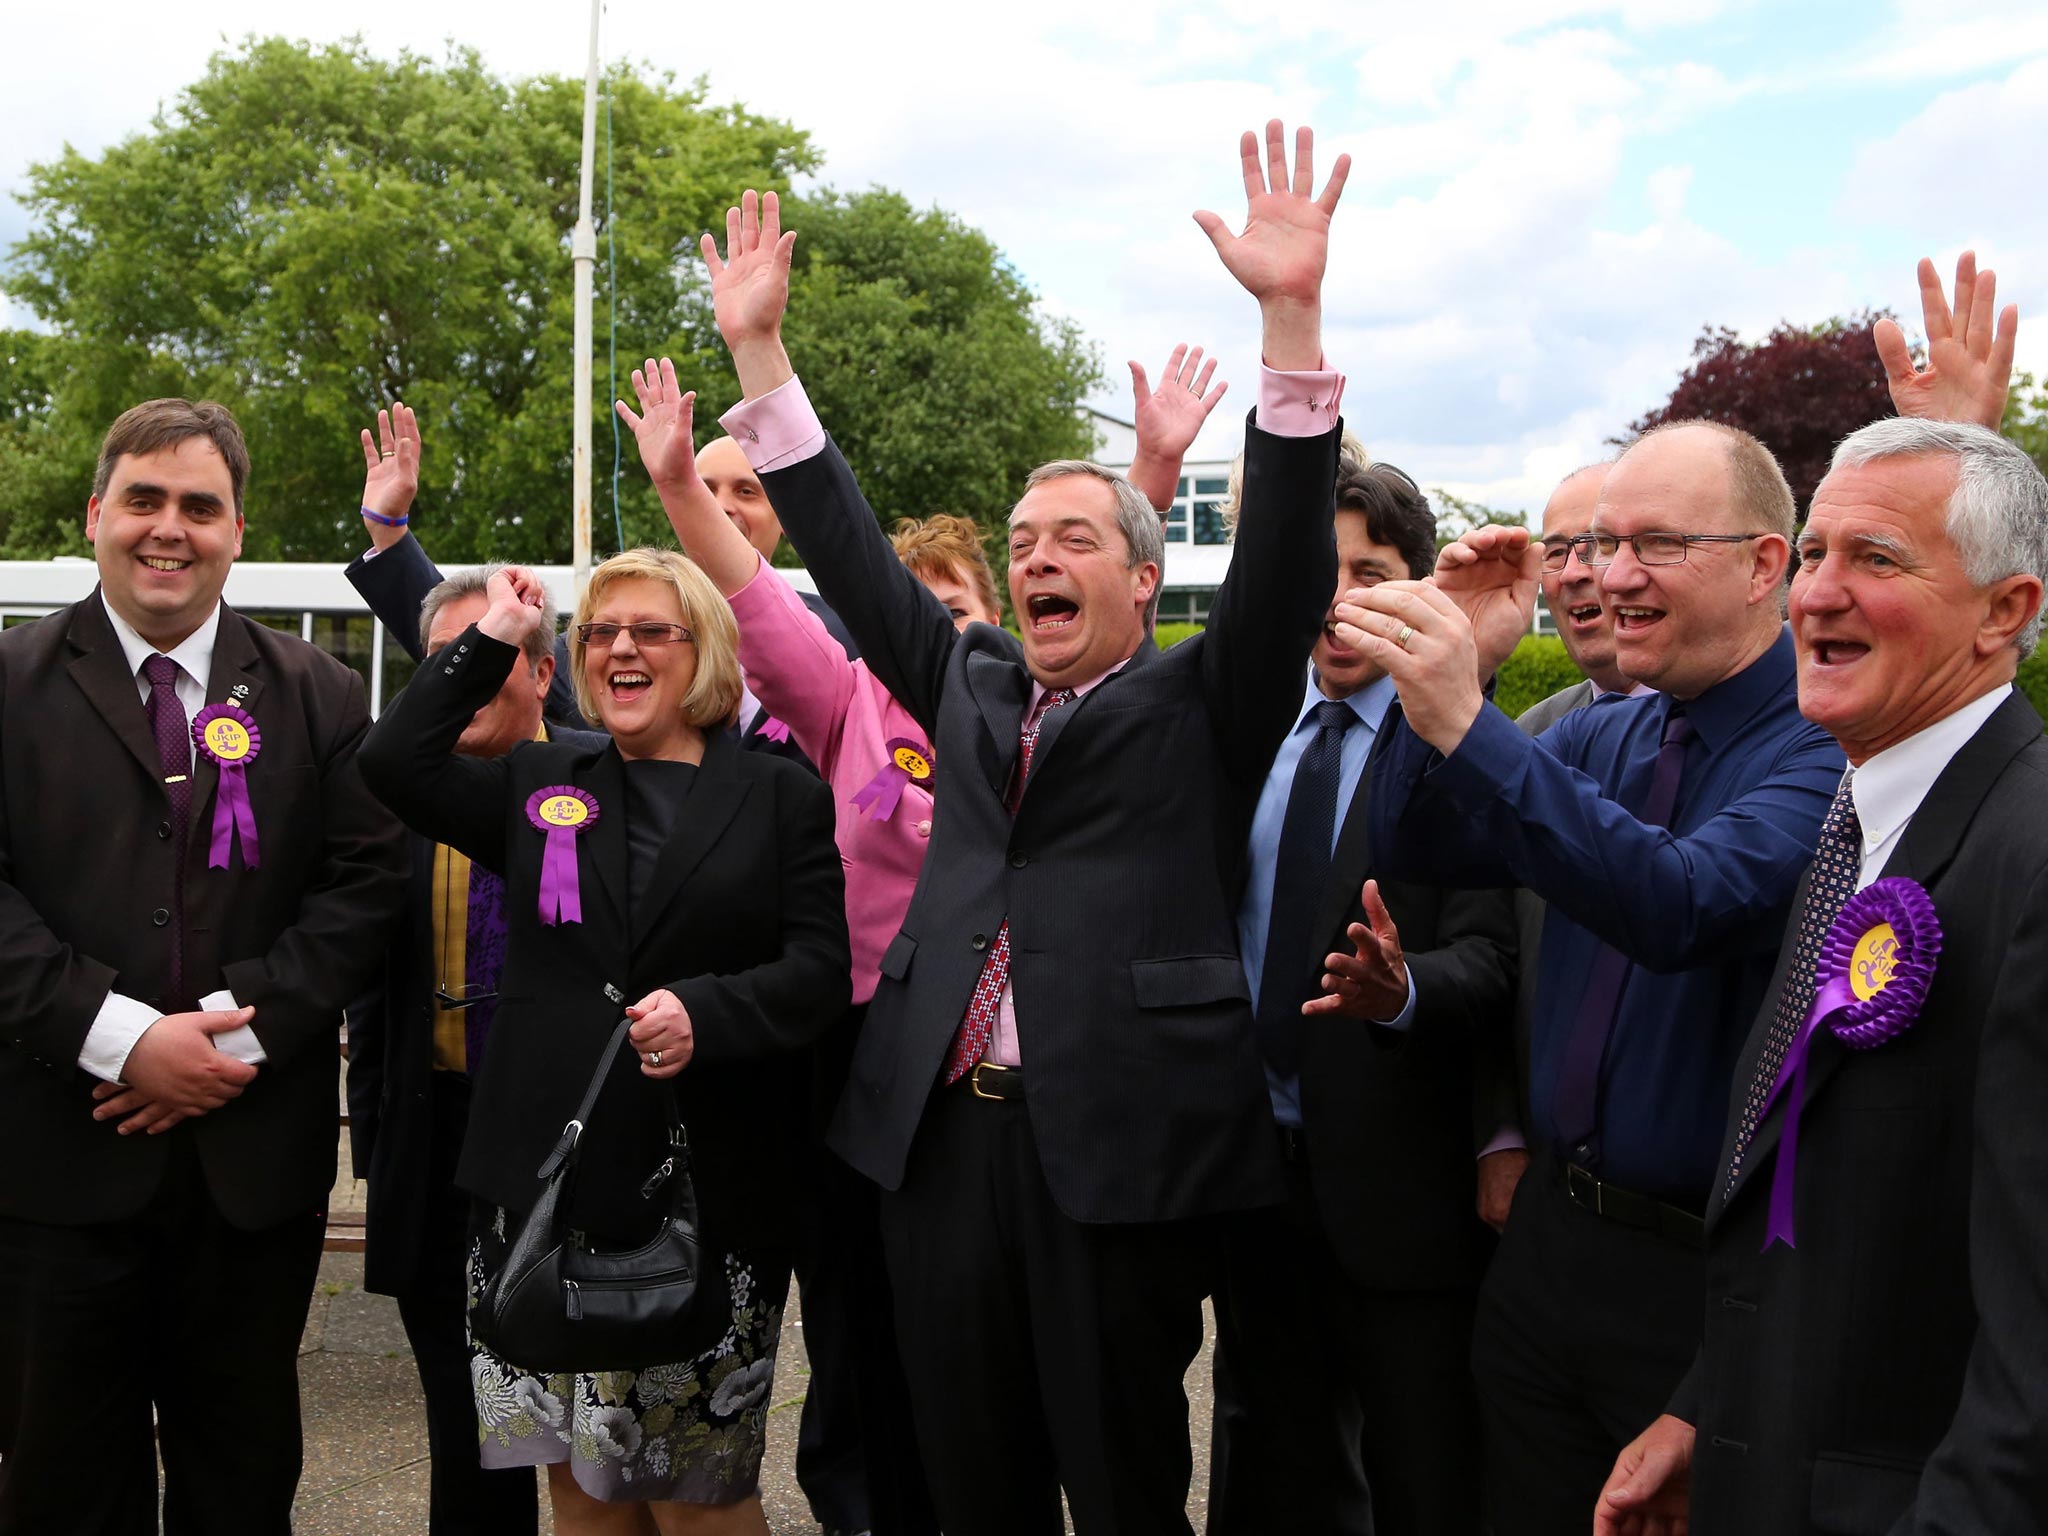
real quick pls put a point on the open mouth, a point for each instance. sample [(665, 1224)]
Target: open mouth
[(1335, 641), (628, 684), (1838, 653), (163, 562), (1050, 614), (1583, 615), (1635, 621)]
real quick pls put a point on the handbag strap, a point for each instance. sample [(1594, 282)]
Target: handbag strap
[(572, 1134)]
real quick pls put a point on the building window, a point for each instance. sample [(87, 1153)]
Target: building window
[(1186, 605), (1198, 510)]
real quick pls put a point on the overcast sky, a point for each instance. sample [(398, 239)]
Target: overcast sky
[(1549, 197)]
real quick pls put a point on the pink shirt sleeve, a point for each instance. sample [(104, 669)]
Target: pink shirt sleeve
[(795, 667), (778, 429), (1297, 404)]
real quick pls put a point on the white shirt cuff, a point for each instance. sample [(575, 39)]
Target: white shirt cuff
[(120, 1022), (1507, 1139), (242, 1043)]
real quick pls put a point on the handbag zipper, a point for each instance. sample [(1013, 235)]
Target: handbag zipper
[(572, 1301)]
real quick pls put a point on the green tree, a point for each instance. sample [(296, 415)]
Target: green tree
[(1456, 517), (2026, 418), (310, 232)]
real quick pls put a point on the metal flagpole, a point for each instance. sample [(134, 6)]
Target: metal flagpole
[(583, 249)]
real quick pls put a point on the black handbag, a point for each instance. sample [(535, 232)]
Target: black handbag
[(557, 1304)]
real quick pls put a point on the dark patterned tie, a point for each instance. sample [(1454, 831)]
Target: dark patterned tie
[(1300, 869), (173, 734), (1574, 1107), (1837, 866), (979, 1022), (483, 962)]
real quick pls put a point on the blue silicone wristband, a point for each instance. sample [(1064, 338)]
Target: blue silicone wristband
[(388, 522)]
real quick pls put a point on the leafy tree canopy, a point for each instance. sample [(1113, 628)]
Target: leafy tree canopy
[(311, 232)]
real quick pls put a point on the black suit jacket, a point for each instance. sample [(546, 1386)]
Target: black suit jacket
[(88, 875), (1394, 1119), (744, 921), (1891, 1373), (1120, 872)]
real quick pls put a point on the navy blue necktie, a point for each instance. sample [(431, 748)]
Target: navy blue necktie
[(1293, 948), (1575, 1106)]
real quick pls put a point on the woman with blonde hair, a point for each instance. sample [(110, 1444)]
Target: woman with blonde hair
[(696, 888)]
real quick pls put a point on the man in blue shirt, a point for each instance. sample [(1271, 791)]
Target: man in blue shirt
[(1668, 834), (1378, 1239)]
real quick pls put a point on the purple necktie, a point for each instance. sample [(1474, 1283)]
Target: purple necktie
[(1574, 1107), (174, 755), (483, 961)]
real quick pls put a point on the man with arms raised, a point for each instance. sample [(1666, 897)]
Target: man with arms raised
[(192, 880), (1057, 1080), (1876, 1355)]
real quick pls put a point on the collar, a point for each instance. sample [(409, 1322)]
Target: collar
[(193, 654), (1633, 691), (1719, 713), (1081, 690), (1889, 787), (1369, 703)]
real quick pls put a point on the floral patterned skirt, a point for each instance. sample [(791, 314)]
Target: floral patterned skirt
[(690, 1430)]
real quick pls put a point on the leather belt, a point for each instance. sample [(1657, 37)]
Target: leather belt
[(990, 1081), (1610, 1202)]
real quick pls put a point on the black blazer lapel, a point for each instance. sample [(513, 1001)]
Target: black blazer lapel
[(715, 798), (1001, 689), (1923, 854), (1056, 721), (1347, 865), (601, 851), (100, 669)]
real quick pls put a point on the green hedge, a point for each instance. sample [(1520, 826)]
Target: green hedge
[(2033, 681), (1170, 635), (1537, 669)]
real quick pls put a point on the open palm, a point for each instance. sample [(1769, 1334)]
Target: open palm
[(662, 429), (1969, 350), (750, 286), (1281, 252)]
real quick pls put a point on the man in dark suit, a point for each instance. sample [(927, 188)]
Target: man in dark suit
[(1889, 1373), (415, 1043), (178, 926), (1365, 1429), (1057, 1081)]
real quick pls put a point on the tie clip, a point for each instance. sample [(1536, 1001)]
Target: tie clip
[(176, 778)]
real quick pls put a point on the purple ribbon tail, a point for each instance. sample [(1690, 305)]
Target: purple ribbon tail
[(1833, 998), (561, 899), (233, 816), (773, 729), (880, 796)]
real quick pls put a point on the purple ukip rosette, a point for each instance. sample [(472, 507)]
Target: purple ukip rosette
[(910, 762), (1870, 982), (560, 812), (227, 733)]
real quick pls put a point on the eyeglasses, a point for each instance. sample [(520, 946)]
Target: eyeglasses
[(1599, 549), (645, 635)]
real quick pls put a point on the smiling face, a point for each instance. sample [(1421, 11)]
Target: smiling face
[(953, 589), (1892, 636), (513, 715), (639, 690), (1583, 622), (1340, 670), (1080, 606), (163, 536), (723, 466), (1683, 628)]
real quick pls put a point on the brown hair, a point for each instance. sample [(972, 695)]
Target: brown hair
[(714, 695), (945, 546), (158, 424)]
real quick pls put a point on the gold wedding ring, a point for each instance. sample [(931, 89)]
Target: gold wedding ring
[(1402, 638), (654, 1059)]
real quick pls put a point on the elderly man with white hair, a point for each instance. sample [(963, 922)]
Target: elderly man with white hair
[(1876, 1342)]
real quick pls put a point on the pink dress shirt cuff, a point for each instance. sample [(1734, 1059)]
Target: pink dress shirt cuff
[(779, 429), (1296, 404)]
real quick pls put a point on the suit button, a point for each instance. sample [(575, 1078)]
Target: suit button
[(1018, 861), (924, 828), (160, 916), (163, 830), (979, 941)]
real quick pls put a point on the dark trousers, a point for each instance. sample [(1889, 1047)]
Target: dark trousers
[(464, 1499), (173, 1310), (1585, 1327), (1339, 1410), (1042, 1353)]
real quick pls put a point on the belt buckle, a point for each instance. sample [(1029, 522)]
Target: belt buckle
[(974, 1081), (1583, 1188)]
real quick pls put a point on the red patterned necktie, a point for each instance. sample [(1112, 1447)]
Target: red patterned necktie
[(979, 1022), (1837, 864)]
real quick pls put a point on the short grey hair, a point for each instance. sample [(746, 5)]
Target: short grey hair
[(1998, 512), (1144, 539), (538, 645)]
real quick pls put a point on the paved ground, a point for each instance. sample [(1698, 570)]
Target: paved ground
[(366, 1436)]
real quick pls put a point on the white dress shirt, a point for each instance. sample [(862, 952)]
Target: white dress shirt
[(1889, 787), (122, 1020)]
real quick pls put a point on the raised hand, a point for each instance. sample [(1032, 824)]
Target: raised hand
[(1420, 638), (1648, 1491), (1372, 982), (750, 287), (1969, 350), (391, 472), (1280, 253), (1168, 420), (1492, 574), (514, 595), (663, 431)]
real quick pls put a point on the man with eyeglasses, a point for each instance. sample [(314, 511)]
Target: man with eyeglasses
[(414, 1046), (1668, 834)]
